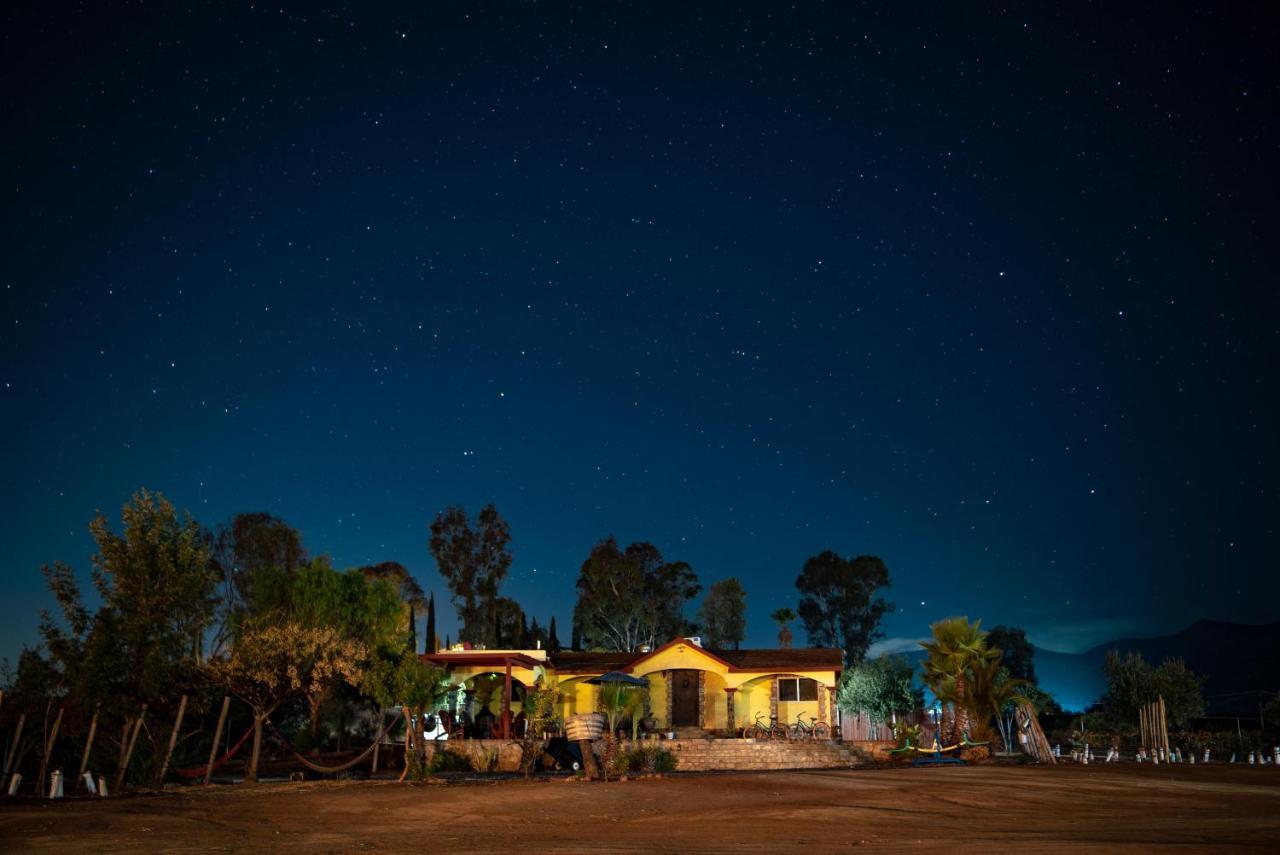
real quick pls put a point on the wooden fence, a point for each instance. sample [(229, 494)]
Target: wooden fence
[(859, 728)]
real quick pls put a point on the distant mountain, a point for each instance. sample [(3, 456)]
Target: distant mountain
[(1239, 661)]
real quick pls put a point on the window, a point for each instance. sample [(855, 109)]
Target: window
[(797, 689)]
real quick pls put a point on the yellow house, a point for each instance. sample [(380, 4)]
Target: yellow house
[(690, 687)]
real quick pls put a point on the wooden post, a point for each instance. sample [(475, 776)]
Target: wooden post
[(588, 760), (377, 743), (17, 740), (506, 704), (1164, 725), (48, 749), (88, 747), (173, 740), (128, 754), (217, 734)]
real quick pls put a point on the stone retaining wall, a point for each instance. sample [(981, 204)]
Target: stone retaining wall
[(694, 755)]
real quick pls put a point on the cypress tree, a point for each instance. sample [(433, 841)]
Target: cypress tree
[(431, 642), (577, 637), (553, 642)]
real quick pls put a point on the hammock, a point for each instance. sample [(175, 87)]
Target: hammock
[(333, 770), (199, 771)]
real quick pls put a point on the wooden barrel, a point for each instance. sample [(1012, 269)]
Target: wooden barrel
[(588, 727)]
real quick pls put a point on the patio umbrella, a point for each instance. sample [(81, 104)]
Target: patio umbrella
[(619, 677)]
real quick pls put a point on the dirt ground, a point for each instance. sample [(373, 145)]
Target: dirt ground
[(975, 809)]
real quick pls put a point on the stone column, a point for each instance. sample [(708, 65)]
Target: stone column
[(835, 713), (732, 725), (773, 700), (822, 704), (702, 699), (671, 684)]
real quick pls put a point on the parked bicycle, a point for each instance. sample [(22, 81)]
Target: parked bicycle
[(764, 729), (818, 730)]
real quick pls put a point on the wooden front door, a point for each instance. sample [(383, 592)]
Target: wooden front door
[(684, 698)]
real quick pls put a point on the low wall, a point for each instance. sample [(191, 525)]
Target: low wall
[(486, 755), (693, 755)]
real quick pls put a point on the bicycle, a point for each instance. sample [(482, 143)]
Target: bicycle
[(817, 730), (764, 730)]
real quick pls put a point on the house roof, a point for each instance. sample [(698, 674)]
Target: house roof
[(484, 659), (765, 659)]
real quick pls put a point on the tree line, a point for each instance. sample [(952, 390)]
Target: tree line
[(244, 609)]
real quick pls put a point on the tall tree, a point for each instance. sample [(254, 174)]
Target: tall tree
[(432, 642), (1018, 654), (630, 598), (838, 603), (398, 576), (553, 640), (723, 614), (356, 606), (256, 556), (473, 562), (158, 589)]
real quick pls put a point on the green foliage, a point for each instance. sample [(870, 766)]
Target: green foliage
[(255, 556), (957, 646), (449, 761), (406, 682), (1133, 682), (367, 609), (838, 604), (783, 616), (632, 597), (723, 614), (645, 759), (473, 563), (157, 585), (880, 688), (622, 702)]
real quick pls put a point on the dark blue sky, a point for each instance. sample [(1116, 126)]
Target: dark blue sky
[(989, 294)]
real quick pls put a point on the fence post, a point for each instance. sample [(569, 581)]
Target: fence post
[(17, 740), (217, 734), (128, 754), (48, 747), (173, 740), (88, 746)]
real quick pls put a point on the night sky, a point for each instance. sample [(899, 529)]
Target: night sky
[(989, 294)]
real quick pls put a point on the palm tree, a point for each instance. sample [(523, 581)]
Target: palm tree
[(991, 691), (784, 616), (956, 645)]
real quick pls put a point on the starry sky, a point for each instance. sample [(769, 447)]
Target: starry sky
[(987, 292)]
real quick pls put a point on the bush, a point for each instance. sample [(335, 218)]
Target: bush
[(448, 761), (646, 759)]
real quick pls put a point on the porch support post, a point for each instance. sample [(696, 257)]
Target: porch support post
[(506, 704), (732, 723), (834, 719)]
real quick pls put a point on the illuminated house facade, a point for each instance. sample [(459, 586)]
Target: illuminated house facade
[(690, 687)]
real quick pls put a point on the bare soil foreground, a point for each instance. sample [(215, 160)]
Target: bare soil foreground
[(978, 809)]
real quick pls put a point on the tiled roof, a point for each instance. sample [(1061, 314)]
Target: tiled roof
[(572, 660), (780, 660)]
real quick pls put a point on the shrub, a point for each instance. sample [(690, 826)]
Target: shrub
[(647, 759), (448, 761)]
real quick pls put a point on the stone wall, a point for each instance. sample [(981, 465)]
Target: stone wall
[(699, 755)]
